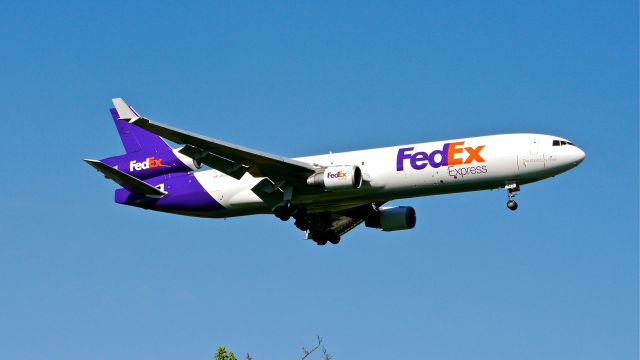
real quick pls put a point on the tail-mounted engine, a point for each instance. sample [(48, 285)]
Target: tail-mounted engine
[(336, 178), (392, 218)]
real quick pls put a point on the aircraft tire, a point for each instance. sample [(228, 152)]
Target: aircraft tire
[(512, 205), (302, 224), (332, 236), (319, 238), (282, 213)]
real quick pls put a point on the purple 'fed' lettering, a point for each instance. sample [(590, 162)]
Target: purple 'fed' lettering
[(402, 156)]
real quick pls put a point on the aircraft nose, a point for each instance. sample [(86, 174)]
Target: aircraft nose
[(577, 156)]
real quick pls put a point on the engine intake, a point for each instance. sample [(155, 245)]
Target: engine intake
[(337, 178), (392, 218)]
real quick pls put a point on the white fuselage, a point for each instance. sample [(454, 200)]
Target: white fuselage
[(470, 164)]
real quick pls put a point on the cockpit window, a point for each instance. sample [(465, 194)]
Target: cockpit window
[(562, 143)]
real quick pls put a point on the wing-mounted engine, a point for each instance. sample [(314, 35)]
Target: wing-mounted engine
[(392, 218), (335, 178)]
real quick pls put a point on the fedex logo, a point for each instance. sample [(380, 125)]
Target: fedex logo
[(454, 153), (149, 163), (336, 175)]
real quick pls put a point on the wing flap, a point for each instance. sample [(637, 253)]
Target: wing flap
[(341, 221), (344, 224), (268, 192), (231, 168), (127, 181)]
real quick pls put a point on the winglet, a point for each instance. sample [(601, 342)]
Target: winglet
[(127, 181), (125, 112)]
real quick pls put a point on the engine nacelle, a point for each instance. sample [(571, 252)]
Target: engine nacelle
[(392, 218), (338, 178)]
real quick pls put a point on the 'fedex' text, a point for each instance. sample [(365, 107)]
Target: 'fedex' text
[(454, 153), (336, 175), (149, 163)]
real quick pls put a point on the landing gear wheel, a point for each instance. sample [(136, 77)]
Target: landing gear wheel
[(302, 224), (322, 237), (298, 212), (332, 236), (282, 213), (512, 205)]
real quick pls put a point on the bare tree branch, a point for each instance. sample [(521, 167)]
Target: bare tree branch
[(306, 352), (325, 354)]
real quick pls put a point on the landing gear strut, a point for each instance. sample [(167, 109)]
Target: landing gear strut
[(512, 189)]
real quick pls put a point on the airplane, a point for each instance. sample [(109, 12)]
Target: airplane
[(326, 195)]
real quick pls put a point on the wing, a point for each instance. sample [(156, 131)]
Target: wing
[(233, 160)]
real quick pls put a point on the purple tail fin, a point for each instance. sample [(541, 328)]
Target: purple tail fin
[(135, 139), (148, 155)]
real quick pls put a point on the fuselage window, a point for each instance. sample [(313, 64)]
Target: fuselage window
[(556, 142)]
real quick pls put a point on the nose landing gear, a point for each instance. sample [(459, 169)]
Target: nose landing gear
[(512, 189)]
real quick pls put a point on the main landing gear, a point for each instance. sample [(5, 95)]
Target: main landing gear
[(287, 211), (321, 233), (321, 230), (512, 189)]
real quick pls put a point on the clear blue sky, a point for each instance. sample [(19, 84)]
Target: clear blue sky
[(84, 278)]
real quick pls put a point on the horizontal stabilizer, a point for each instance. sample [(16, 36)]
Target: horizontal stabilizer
[(127, 181)]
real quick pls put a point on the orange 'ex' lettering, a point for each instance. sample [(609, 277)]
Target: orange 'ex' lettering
[(474, 154)]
